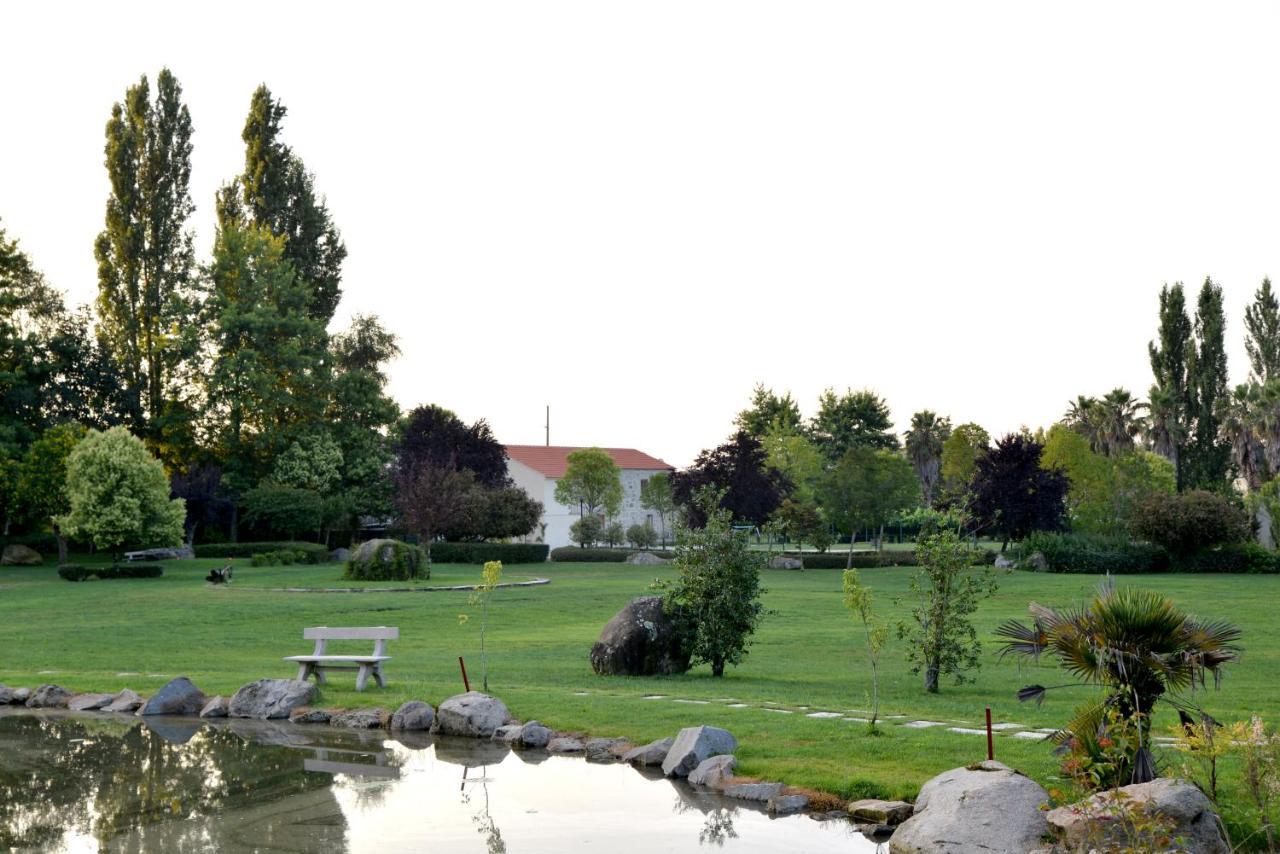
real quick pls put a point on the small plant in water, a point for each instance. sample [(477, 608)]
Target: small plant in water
[(490, 578)]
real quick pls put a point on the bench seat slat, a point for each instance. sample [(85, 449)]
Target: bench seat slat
[(324, 658), (356, 633)]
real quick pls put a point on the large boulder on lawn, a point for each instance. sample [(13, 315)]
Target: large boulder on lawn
[(471, 714), (645, 559), (694, 744), (271, 698), (177, 697), (387, 560), (986, 807), (49, 697), (413, 715), (1180, 810), (640, 640), (19, 555), (784, 562)]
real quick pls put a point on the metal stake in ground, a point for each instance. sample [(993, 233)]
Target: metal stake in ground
[(991, 750), (465, 682)]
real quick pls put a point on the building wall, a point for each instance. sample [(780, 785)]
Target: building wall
[(557, 518)]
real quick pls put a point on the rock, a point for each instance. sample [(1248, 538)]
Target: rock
[(605, 749), (89, 702), (1187, 815), (829, 815), (640, 640), (645, 559), (876, 811), (713, 771), (1037, 562), (753, 791), (413, 715), (308, 715), (361, 719), (507, 732), (49, 697), (218, 707), (387, 559), (1003, 562), (125, 701), (21, 695), (9, 696), (1264, 536), (340, 555), (787, 804), (268, 699), (985, 807), (19, 555), (472, 714), (650, 754), (784, 562), (694, 744), (564, 744), (177, 697), (534, 735)]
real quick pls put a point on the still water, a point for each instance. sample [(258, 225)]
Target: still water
[(102, 783)]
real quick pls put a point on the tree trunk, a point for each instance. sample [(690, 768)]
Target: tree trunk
[(62, 546), (717, 665), (848, 559), (931, 678)]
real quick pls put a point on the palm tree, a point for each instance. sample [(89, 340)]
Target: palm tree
[(1238, 416), (1138, 646), (1084, 415), (1120, 421), (1266, 421), (924, 443), (1165, 429)]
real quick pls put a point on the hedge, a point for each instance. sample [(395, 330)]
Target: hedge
[(573, 554), (1250, 558), (313, 552), (508, 553), (1093, 555), (283, 557), (71, 572)]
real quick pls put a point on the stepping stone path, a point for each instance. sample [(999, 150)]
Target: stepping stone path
[(1032, 735), (966, 730), (823, 715), (922, 724), (694, 702)]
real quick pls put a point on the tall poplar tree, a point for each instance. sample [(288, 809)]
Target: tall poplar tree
[(1209, 456), (146, 264), (1169, 361), (277, 192), (1262, 335)]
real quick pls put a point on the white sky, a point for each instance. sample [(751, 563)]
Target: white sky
[(636, 211)]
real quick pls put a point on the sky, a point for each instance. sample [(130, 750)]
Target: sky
[(634, 212)]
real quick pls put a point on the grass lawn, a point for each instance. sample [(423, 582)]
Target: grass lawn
[(106, 635)]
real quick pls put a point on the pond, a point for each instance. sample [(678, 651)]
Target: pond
[(90, 783)]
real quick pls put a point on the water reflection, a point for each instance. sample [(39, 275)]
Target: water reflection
[(97, 783)]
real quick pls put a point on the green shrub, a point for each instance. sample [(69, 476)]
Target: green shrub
[(573, 554), (1189, 522), (642, 536), (387, 560), (861, 560), (312, 552), (282, 557), (106, 573), (71, 572), (1249, 558), (480, 553), (1094, 555), (586, 531)]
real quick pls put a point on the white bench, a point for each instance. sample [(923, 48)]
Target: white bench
[(367, 665)]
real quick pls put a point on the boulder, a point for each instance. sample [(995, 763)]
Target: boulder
[(787, 804), (507, 733), (177, 697), (49, 697), (361, 719), (268, 699), (307, 715), (125, 701), (412, 715), (534, 735), (19, 555), (564, 744), (753, 791), (650, 754), (640, 640), (645, 559), (1179, 808), (875, 811), (1003, 562), (605, 749), (472, 714), (1037, 562), (218, 707), (694, 744), (713, 771), (985, 807), (89, 702), (784, 562), (340, 555), (9, 696)]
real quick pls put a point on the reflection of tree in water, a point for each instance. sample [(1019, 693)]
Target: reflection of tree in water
[(485, 825), (105, 777), (718, 825)]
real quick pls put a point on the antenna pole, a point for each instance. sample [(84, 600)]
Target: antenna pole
[(548, 425)]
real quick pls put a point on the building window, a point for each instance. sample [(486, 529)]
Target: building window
[(643, 481)]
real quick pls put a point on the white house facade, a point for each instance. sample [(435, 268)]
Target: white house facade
[(537, 468)]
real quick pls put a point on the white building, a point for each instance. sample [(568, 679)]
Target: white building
[(536, 468)]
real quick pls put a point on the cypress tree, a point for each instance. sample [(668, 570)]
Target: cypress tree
[(1262, 334), (1209, 457), (1169, 362)]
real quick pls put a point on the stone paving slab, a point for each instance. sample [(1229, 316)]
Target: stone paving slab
[(922, 724)]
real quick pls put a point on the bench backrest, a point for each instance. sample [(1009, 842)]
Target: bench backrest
[(382, 633)]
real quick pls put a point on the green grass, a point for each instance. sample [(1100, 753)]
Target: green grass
[(807, 653)]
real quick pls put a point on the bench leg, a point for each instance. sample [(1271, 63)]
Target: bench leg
[(304, 670), (320, 680), (362, 678), (377, 675)]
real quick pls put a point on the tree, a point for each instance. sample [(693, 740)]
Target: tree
[(768, 412), (42, 479), (500, 513), (313, 461), (1208, 457), (948, 588), (1190, 521), (146, 262), (856, 419), (716, 592), (960, 453), (641, 536), (285, 509), (858, 601), (1013, 495), (431, 497), (593, 481), (1104, 491), (1171, 395), (1135, 644), (490, 581), (1262, 335), (866, 489), (739, 473), (655, 495), (433, 434), (1238, 417), (586, 531), (276, 192), (790, 452), (613, 535), (924, 443), (803, 522), (117, 494)]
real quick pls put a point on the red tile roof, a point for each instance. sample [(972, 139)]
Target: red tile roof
[(552, 460)]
